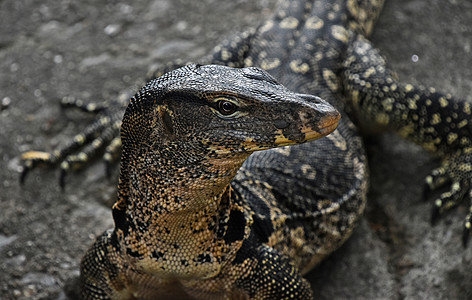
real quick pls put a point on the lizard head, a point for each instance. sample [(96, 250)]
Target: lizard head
[(223, 112)]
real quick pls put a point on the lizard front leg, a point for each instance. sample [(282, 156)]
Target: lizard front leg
[(272, 276), (98, 273)]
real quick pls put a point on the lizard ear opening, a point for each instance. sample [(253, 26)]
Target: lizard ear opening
[(166, 119)]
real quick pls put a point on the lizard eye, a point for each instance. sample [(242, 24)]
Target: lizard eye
[(226, 107)]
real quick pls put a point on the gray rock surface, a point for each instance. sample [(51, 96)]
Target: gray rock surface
[(97, 50)]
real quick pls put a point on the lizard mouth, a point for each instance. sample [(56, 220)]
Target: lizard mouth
[(326, 128)]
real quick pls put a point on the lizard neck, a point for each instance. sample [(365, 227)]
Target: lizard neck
[(177, 215)]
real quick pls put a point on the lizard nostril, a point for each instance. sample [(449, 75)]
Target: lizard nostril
[(281, 124)]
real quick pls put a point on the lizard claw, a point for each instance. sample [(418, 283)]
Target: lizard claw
[(456, 171), (434, 181), (467, 227), (435, 213), (23, 174), (31, 159), (62, 175), (465, 236)]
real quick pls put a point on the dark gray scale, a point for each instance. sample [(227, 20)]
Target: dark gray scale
[(308, 188)]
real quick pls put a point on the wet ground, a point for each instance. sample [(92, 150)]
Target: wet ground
[(97, 50)]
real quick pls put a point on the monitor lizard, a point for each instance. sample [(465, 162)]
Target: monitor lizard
[(324, 51)]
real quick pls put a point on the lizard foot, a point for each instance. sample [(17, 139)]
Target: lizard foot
[(456, 172), (78, 151)]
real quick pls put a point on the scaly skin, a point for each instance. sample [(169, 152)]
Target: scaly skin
[(178, 220), (286, 208)]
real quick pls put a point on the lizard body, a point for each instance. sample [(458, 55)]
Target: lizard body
[(289, 207)]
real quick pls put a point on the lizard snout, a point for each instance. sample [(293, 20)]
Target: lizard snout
[(312, 119)]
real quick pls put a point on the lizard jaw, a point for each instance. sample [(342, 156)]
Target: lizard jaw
[(326, 126)]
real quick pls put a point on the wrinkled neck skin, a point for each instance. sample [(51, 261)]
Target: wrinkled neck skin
[(172, 183), (172, 203)]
